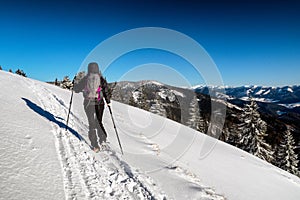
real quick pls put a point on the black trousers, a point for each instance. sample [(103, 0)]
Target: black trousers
[(94, 113)]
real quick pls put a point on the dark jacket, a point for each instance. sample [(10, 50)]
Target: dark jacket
[(79, 87)]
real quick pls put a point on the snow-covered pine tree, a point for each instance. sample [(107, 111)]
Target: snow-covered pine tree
[(230, 134), (195, 120), (66, 83), (79, 76), (287, 159), (158, 108), (253, 132), (132, 101), (144, 104)]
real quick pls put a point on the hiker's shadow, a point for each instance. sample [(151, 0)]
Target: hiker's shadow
[(52, 118)]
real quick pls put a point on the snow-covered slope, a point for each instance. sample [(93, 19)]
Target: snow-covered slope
[(163, 159), (40, 160)]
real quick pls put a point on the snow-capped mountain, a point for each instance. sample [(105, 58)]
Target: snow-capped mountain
[(151, 96), (287, 95), (163, 159)]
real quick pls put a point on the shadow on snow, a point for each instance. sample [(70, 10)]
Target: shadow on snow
[(52, 118)]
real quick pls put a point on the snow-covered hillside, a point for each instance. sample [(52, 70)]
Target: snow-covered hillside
[(163, 159)]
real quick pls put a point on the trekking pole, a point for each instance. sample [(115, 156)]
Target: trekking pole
[(112, 118), (71, 100)]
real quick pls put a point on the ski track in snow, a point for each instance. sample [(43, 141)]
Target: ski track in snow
[(206, 193), (88, 175)]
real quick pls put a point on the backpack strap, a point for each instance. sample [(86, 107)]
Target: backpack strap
[(99, 93)]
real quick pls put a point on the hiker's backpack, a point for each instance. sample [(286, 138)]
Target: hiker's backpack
[(93, 88)]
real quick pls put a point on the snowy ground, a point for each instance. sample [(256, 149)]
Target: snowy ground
[(163, 159)]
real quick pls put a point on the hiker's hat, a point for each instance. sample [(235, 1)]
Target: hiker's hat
[(93, 67)]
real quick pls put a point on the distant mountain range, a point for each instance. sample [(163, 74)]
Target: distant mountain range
[(288, 95), (277, 101)]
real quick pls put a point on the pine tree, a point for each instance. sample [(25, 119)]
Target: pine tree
[(286, 157), (144, 104), (110, 89), (195, 120), (252, 133), (132, 101), (66, 83), (79, 76), (158, 108), (230, 134), (0, 67), (56, 82), (21, 72)]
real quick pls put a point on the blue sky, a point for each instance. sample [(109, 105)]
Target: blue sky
[(251, 42)]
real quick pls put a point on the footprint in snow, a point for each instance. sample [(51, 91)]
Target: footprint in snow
[(155, 148), (28, 137)]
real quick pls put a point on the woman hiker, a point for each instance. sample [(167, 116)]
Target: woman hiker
[(95, 90)]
